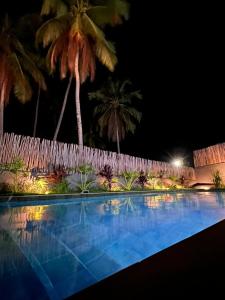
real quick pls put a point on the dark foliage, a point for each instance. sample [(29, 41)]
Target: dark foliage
[(182, 180), (107, 173), (142, 179), (161, 174), (57, 175), (54, 175)]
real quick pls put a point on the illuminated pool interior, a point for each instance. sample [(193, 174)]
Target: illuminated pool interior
[(53, 249)]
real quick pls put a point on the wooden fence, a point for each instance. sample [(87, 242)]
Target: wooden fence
[(37, 153), (211, 155)]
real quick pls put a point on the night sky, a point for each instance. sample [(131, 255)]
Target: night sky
[(175, 56)]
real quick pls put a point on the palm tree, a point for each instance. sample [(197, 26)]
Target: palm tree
[(76, 39), (114, 111), (15, 66)]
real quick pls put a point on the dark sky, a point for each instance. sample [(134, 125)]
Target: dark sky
[(175, 56)]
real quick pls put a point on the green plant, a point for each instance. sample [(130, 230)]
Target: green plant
[(17, 166), (217, 180), (34, 186), (173, 187), (61, 188), (129, 178), (152, 181), (173, 178), (86, 181)]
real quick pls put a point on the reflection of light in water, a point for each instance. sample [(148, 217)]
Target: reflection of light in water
[(18, 217), (151, 202), (112, 206), (115, 202), (156, 200), (36, 213), (23, 223)]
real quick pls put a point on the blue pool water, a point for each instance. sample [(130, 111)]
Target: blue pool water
[(53, 249)]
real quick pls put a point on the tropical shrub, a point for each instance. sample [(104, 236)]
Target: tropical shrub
[(173, 178), (61, 188), (128, 180), (35, 186), (57, 175), (17, 168), (152, 182), (86, 179)]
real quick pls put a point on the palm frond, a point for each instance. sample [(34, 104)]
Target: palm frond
[(101, 109), (55, 7), (106, 54), (5, 79), (35, 73), (64, 61), (22, 88), (73, 47), (135, 95), (101, 15), (90, 28), (122, 8), (129, 97), (134, 113), (87, 60), (28, 64), (51, 30), (98, 95), (55, 52), (76, 26), (109, 12), (130, 126), (123, 85), (112, 87)]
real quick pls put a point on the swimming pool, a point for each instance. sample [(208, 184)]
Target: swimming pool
[(53, 249)]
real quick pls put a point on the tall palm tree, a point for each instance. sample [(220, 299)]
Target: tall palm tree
[(76, 39), (115, 113), (15, 68)]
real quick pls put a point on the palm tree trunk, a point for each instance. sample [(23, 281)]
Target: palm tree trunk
[(78, 112), (62, 109), (1, 116), (117, 135), (36, 111)]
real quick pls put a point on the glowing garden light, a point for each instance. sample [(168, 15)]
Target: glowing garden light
[(177, 162)]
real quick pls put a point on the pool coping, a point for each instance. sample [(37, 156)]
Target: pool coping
[(12, 198)]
